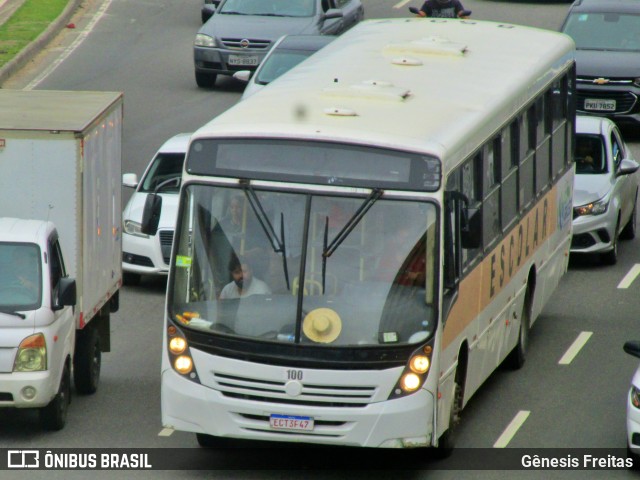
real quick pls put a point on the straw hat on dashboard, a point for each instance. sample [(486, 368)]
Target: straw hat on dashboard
[(322, 325)]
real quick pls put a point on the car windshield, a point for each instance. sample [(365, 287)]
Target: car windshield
[(604, 31), (20, 286), (590, 155), (165, 167), (277, 8), (368, 263), (278, 63)]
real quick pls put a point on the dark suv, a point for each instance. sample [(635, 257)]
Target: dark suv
[(607, 36)]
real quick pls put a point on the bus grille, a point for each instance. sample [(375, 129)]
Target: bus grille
[(311, 394)]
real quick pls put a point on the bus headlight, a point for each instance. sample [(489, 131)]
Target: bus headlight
[(179, 355), (415, 373), (183, 364), (410, 382), (32, 354), (419, 364), (177, 345)]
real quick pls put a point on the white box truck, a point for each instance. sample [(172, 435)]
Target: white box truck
[(60, 244)]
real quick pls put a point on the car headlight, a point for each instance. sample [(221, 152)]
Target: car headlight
[(635, 397), (593, 208), (134, 228), (32, 354), (203, 40)]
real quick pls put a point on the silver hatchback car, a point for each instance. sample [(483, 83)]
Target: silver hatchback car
[(241, 32), (605, 189)]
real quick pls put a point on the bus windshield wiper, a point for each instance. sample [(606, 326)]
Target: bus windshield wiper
[(277, 243), (327, 250), (11, 312), (352, 222)]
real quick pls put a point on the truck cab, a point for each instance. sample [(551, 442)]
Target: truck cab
[(38, 324)]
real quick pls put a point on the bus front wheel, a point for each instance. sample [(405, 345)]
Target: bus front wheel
[(447, 441), (210, 441)]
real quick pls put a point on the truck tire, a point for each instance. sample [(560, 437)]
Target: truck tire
[(87, 360), (54, 416)]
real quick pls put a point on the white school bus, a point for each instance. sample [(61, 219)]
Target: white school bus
[(362, 243)]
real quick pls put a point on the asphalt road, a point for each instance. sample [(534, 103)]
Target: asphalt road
[(144, 48)]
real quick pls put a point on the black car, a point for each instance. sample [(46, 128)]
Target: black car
[(607, 37)]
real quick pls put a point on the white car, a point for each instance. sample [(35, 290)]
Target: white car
[(633, 406), (605, 189), (286, 53), (143, 254)]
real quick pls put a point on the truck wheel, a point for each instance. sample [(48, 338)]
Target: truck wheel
[(87, 360), (54, 416)]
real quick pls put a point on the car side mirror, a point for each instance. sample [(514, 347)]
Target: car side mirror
[(627, 167), (208, 9), (242, 75), (632, 348), (151, 214), (66, 294), (130, 180), (333, 13)]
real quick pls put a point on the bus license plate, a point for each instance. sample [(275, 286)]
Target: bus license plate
[(290, 422), (250, 61), (601, 105)]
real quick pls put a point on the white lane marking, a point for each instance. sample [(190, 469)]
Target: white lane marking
[(166, 432), (401, 3), (69, 50), (511, 429), (630, 276), (575, 347)]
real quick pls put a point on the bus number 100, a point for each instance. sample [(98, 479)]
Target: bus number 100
[(294, 374)]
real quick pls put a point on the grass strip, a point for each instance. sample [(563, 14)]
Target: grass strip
[(26, 24)]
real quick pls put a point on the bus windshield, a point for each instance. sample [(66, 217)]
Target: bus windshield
[(368, 263)]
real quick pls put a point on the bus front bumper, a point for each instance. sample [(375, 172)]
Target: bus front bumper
[(400, 423)]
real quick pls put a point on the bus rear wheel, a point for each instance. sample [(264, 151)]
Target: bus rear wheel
[(518, 355)]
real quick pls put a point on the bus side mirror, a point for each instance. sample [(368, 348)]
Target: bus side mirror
[(471, 228), (151, 214)]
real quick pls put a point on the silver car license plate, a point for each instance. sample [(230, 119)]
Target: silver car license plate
[(600, 105), (248, 60)]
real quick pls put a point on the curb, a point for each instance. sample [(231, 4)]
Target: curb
[(30, 51)]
